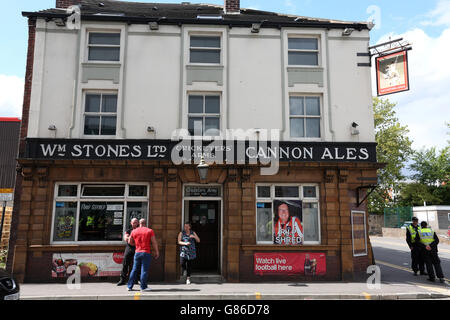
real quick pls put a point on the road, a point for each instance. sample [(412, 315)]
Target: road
[(393, 257)]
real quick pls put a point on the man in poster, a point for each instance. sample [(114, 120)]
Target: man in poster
[(288, 227)]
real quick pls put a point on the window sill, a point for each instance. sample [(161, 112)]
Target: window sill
[(102, 63), (206, 65), (299, 66)]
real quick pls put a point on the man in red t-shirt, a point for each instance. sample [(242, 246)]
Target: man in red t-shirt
[(143, 239)]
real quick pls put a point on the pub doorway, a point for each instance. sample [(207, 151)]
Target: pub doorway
[(203, 209)]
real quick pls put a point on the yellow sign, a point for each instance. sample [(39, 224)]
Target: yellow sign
[(6, 190)]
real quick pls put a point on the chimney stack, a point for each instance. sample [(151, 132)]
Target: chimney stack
[(64, 4), (232, 6)]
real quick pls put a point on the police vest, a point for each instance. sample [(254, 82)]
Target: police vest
[(426, 236), (413, 232)]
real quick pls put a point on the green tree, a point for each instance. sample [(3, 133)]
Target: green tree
[(393, 149), (431, 168), (431, 178)]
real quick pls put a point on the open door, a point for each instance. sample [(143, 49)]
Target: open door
[(205, 219)]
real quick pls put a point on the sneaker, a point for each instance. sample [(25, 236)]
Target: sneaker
[(431, 279), (130, 289), (442, 280), (423, 273), (415, 273), (188, 281), (146, 290), (121, 283)]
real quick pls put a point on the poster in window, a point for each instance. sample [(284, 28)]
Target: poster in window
[(287, 222), (264, 218), (97, 222), (65, 213), (392, 73)]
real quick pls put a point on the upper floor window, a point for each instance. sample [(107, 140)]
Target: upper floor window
[(304, 113), (303, 51), (205, 49), (204, 115), (100, 114), (104, 46)]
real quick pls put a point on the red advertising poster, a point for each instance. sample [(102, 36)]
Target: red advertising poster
[(308, 264), (392, 73)]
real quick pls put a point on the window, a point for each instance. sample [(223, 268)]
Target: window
[(303, 51), (204, 115), (97, 213), (287, 214), (304, 117), (104, 46), (100, 114), (205, 49)]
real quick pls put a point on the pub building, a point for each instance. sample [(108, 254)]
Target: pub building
[(257, 127)]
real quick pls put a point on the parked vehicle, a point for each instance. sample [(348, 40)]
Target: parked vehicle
[(9, 288), (406, 224)]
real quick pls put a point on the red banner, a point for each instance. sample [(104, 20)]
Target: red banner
[(308, 264)]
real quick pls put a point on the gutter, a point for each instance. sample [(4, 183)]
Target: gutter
[(180, 21)]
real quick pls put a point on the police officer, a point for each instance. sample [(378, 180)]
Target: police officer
[(417, 261), (429, 242)]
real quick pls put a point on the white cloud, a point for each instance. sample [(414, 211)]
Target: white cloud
[(426, 107), (440, 16), (11, 96)]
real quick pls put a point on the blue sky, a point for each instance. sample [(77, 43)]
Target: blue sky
[(424, 108)]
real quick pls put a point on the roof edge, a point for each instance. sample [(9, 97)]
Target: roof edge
[(140, 20)]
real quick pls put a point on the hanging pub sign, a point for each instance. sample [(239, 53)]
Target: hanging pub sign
[(392, 73)]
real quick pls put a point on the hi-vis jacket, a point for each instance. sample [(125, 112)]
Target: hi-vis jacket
[(426, 236), (290, 233)]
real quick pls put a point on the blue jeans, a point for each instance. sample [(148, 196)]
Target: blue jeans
[(141, 261)]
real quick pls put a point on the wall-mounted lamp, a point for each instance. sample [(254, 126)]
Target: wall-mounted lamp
[(203, 169), (153, 25), (52, 127), (347, 31), (354, 130), (151, 129)]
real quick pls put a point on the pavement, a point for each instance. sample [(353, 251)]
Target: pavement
[(391, 254)]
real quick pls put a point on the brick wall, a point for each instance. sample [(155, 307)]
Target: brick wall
[(6, 228), (23, 135), (66, 3), (232, 6)]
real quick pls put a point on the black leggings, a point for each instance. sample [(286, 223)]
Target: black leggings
[(186, 265)]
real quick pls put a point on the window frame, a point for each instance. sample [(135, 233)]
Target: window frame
[(301, 198), (204, 115), (318, 51), (100, 113), (305, 116), (79, 199), (88, 45), (205, 35)]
